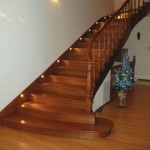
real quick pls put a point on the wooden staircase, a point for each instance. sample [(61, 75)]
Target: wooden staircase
[(59, 102)]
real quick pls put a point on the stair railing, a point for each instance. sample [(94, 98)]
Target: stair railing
[(104, 44)]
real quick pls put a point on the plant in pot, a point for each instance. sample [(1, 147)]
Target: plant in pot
[(123, 80)]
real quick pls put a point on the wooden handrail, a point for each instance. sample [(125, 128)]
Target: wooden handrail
[(107, 22), (111, 39)]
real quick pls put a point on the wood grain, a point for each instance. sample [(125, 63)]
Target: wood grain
[(131, 129)]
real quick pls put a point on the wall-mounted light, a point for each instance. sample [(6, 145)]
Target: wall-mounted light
[(70, 48), (58, 60), (42, 76), (119, 17), (138, 35), (80, 39), (89, 30), (23, 105), (97, 22), (21, 95), (55, 1), (23, 122)]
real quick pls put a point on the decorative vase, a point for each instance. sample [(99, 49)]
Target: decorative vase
[(122, 98)]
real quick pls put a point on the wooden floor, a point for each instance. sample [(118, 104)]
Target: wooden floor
[(131, 129)]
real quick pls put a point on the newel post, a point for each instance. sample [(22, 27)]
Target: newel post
[(90, 86)]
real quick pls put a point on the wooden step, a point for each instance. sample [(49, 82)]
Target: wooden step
[(57, 113), (77, 64), (70, 71), (104, 46), (79, 51), (70, 89), (83, 52), (81, 44), (67, 79), (91, 33), (58, 100), (77, 57), (101, 129)]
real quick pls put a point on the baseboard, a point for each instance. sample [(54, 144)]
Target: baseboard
[(143, 80), (139, 77)]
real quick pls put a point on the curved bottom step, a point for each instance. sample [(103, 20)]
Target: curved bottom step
[(101, 129)]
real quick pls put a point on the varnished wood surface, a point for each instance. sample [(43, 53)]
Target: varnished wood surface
[(55, 112), (131, 129)]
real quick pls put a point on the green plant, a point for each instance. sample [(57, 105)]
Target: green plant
[(124, 76)]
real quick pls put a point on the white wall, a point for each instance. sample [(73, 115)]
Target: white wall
[(118, 4), (103, 94), (34, 33), (141, 48)]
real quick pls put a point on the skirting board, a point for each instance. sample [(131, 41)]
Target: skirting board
[(138, 77)]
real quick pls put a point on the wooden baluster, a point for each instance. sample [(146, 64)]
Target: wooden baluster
[(124, 11), (121, 20), (129, 12), (126, 17), (134, 6), (138, 5), (111, 38), (94, 75), (117, 32), (108, 38), (107, 49), (115, 36), (106, 41), (132, 9), (122, 27), (104, 45), (99, 54), (128, 21)]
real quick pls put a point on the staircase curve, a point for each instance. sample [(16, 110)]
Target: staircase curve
[(59, 102)]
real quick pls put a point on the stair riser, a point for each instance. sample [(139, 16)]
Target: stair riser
[(57, 102), (67, 81), (77, 64), (83, 52), (57, 117), (62, 89), (101, 44), (58, 133), (82, 45), (71, 72), (78, 57), (106, 46)]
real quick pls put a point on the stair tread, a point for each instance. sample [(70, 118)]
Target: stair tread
[(56, 109), (73, 68), (102, 124), (69, 76), (59, 96), (77, 61), (64, 85)]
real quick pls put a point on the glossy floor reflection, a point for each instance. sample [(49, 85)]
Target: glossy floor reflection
[(131, 129)]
